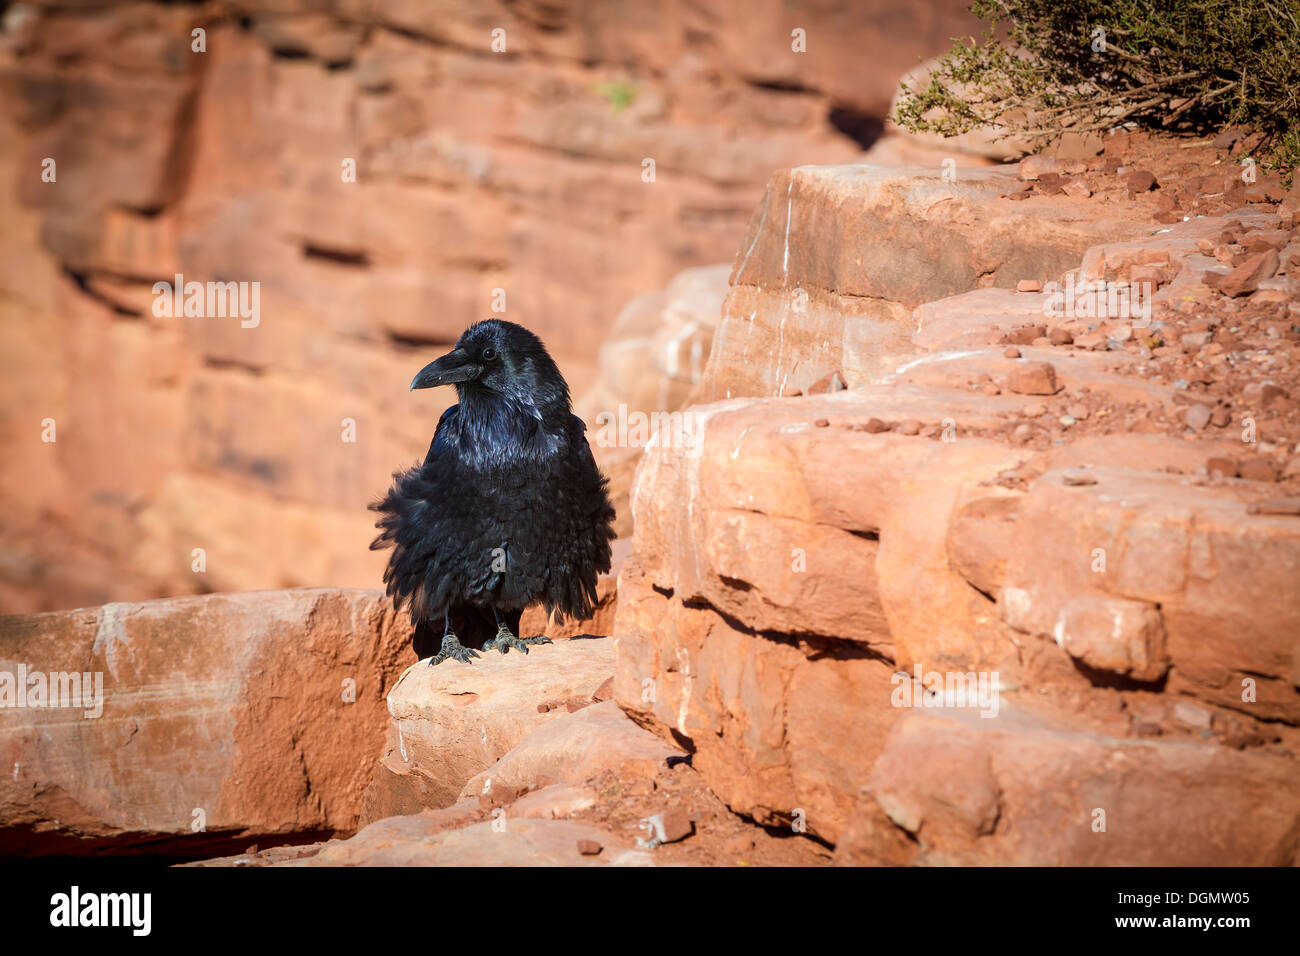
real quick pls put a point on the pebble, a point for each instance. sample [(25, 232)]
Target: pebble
[(1033, 378), (1198, 416)]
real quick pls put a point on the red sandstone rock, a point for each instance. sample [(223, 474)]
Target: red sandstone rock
[(449, 724), (196, 725), (954, 789), (1247, 276), (1034, 378)]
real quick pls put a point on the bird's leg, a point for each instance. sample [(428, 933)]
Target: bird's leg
[(506, 640), (451, 646)]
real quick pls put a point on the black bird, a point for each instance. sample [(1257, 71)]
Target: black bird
[(508, 508)]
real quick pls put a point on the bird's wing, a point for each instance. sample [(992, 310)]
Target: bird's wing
[(446, 424)]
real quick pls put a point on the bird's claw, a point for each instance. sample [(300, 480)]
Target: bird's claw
[(453, 650), (505, 640)]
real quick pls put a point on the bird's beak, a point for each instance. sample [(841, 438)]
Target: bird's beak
[(453, 367)]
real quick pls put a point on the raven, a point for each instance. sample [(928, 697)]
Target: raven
[(508, 508)]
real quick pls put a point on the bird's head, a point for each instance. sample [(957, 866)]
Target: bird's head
[(501, 359)]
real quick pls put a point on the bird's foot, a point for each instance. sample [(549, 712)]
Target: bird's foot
[(452, 650), (505, 640)]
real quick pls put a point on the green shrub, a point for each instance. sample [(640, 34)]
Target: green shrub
[(1188, 66)]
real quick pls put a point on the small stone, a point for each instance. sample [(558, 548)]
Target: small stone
[(1034, 410), (1033, 378), (1024, 335), (1140, 181), (604, 692), (1077, 477), (874, 426), (1145, 728), (1011, 352), (1257, 469), (910, 427), (1077, 188), (1067, 420), (821, 423), (831, 382), (1195, 340), (1029, 285), (1060, 337), (669, 826), (988, 388), (1197, 416), (1222, 467), (791, 392), (1247, 276), (1077, 411), (1270, 393), (1023, 433), (589, 848), (1191, 716), (1220, 417)]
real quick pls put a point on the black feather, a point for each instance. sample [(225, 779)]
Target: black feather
[(508, 508)]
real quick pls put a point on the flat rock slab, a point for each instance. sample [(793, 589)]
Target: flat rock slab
[(455, 720), (574, 747)]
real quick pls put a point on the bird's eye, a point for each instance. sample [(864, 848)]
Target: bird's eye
[(489, 354)]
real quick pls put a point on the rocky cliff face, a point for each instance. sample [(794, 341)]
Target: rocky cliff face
[(1023, 593), (387, 176)]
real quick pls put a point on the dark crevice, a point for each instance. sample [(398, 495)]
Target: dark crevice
[(84, 285), (1102, 678), (213, 362), (414, 340), (819, 645), (781, 86), (864, 535), (343, 257), (25, 842), (863, 128)]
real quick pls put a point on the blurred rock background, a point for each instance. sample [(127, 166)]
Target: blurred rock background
[(507, 183)]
